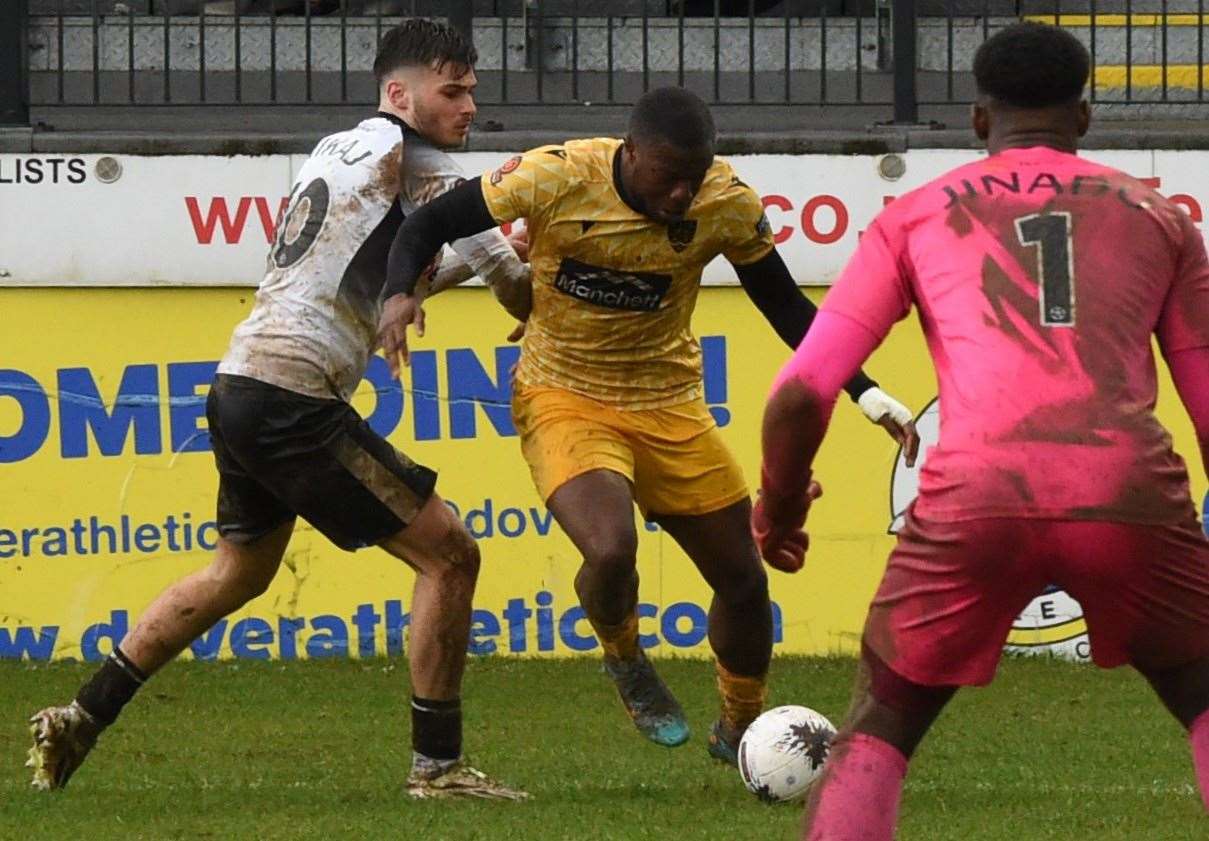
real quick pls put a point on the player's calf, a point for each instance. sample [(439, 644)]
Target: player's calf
[(447, 561), (740, 633)]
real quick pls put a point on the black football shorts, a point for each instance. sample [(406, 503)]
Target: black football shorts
[(281, 454)]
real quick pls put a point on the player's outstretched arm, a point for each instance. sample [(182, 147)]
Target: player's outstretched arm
[(773, 290), (457, 214), (795, 421)]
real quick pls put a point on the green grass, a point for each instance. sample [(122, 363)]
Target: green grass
[(320, 750)]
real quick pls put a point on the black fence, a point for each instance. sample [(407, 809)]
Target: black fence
[(895, 56)]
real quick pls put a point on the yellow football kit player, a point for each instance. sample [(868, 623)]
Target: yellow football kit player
[(610, 373)]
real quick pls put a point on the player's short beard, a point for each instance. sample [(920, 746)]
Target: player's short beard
[(429, 125)]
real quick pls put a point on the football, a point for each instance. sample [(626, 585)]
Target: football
[(783, 751)]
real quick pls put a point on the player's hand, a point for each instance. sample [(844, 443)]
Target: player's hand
[(894, 417), (519, 240), (518, 332), (399, 311), (778, 528)]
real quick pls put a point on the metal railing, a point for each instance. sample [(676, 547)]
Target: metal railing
[(893, 56)]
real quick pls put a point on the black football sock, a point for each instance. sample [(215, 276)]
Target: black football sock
[(110, 688), (436, 728)]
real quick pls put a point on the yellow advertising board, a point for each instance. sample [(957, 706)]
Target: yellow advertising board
[(108, 484)]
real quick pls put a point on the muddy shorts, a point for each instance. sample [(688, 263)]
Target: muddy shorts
[(281, 454)]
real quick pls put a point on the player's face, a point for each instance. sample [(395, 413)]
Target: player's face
[(664, 178), (442, 104)]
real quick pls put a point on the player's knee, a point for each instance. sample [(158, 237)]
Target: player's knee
[(469, 557), (240, 582), (612, 554), (461, 555), (747, 586), (891, 689)]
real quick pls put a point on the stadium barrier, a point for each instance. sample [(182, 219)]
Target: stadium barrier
[(890, 59)]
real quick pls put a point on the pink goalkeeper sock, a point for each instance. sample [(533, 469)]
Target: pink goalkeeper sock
[(860, 794), (1198, 736)]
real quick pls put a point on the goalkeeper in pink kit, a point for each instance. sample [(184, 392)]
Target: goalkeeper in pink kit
[(1039, 278)]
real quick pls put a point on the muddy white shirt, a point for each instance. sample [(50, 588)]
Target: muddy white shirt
[(314, 323)]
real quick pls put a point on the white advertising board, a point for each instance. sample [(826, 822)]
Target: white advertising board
[(124, 220)]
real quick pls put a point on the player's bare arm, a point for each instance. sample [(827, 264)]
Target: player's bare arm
[(772, 289)]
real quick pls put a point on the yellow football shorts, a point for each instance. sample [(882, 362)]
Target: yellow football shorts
[(673, 456)]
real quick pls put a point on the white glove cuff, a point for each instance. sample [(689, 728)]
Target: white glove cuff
[(876, 404)]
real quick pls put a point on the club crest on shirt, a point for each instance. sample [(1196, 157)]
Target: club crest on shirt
[(681, 233), (509, 165), (763, 226)]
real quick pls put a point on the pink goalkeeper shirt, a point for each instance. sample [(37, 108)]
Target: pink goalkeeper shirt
[(1040, 278)]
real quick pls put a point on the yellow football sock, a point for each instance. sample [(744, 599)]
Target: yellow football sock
[(742, 697), (621, 640)]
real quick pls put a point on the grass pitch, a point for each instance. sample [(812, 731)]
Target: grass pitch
[(320, 750)]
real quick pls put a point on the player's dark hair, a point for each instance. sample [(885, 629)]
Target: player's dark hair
[(673, 115), (423, 43), (1032, 65)]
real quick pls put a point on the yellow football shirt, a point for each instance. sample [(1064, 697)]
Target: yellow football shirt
[(613, 290)]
